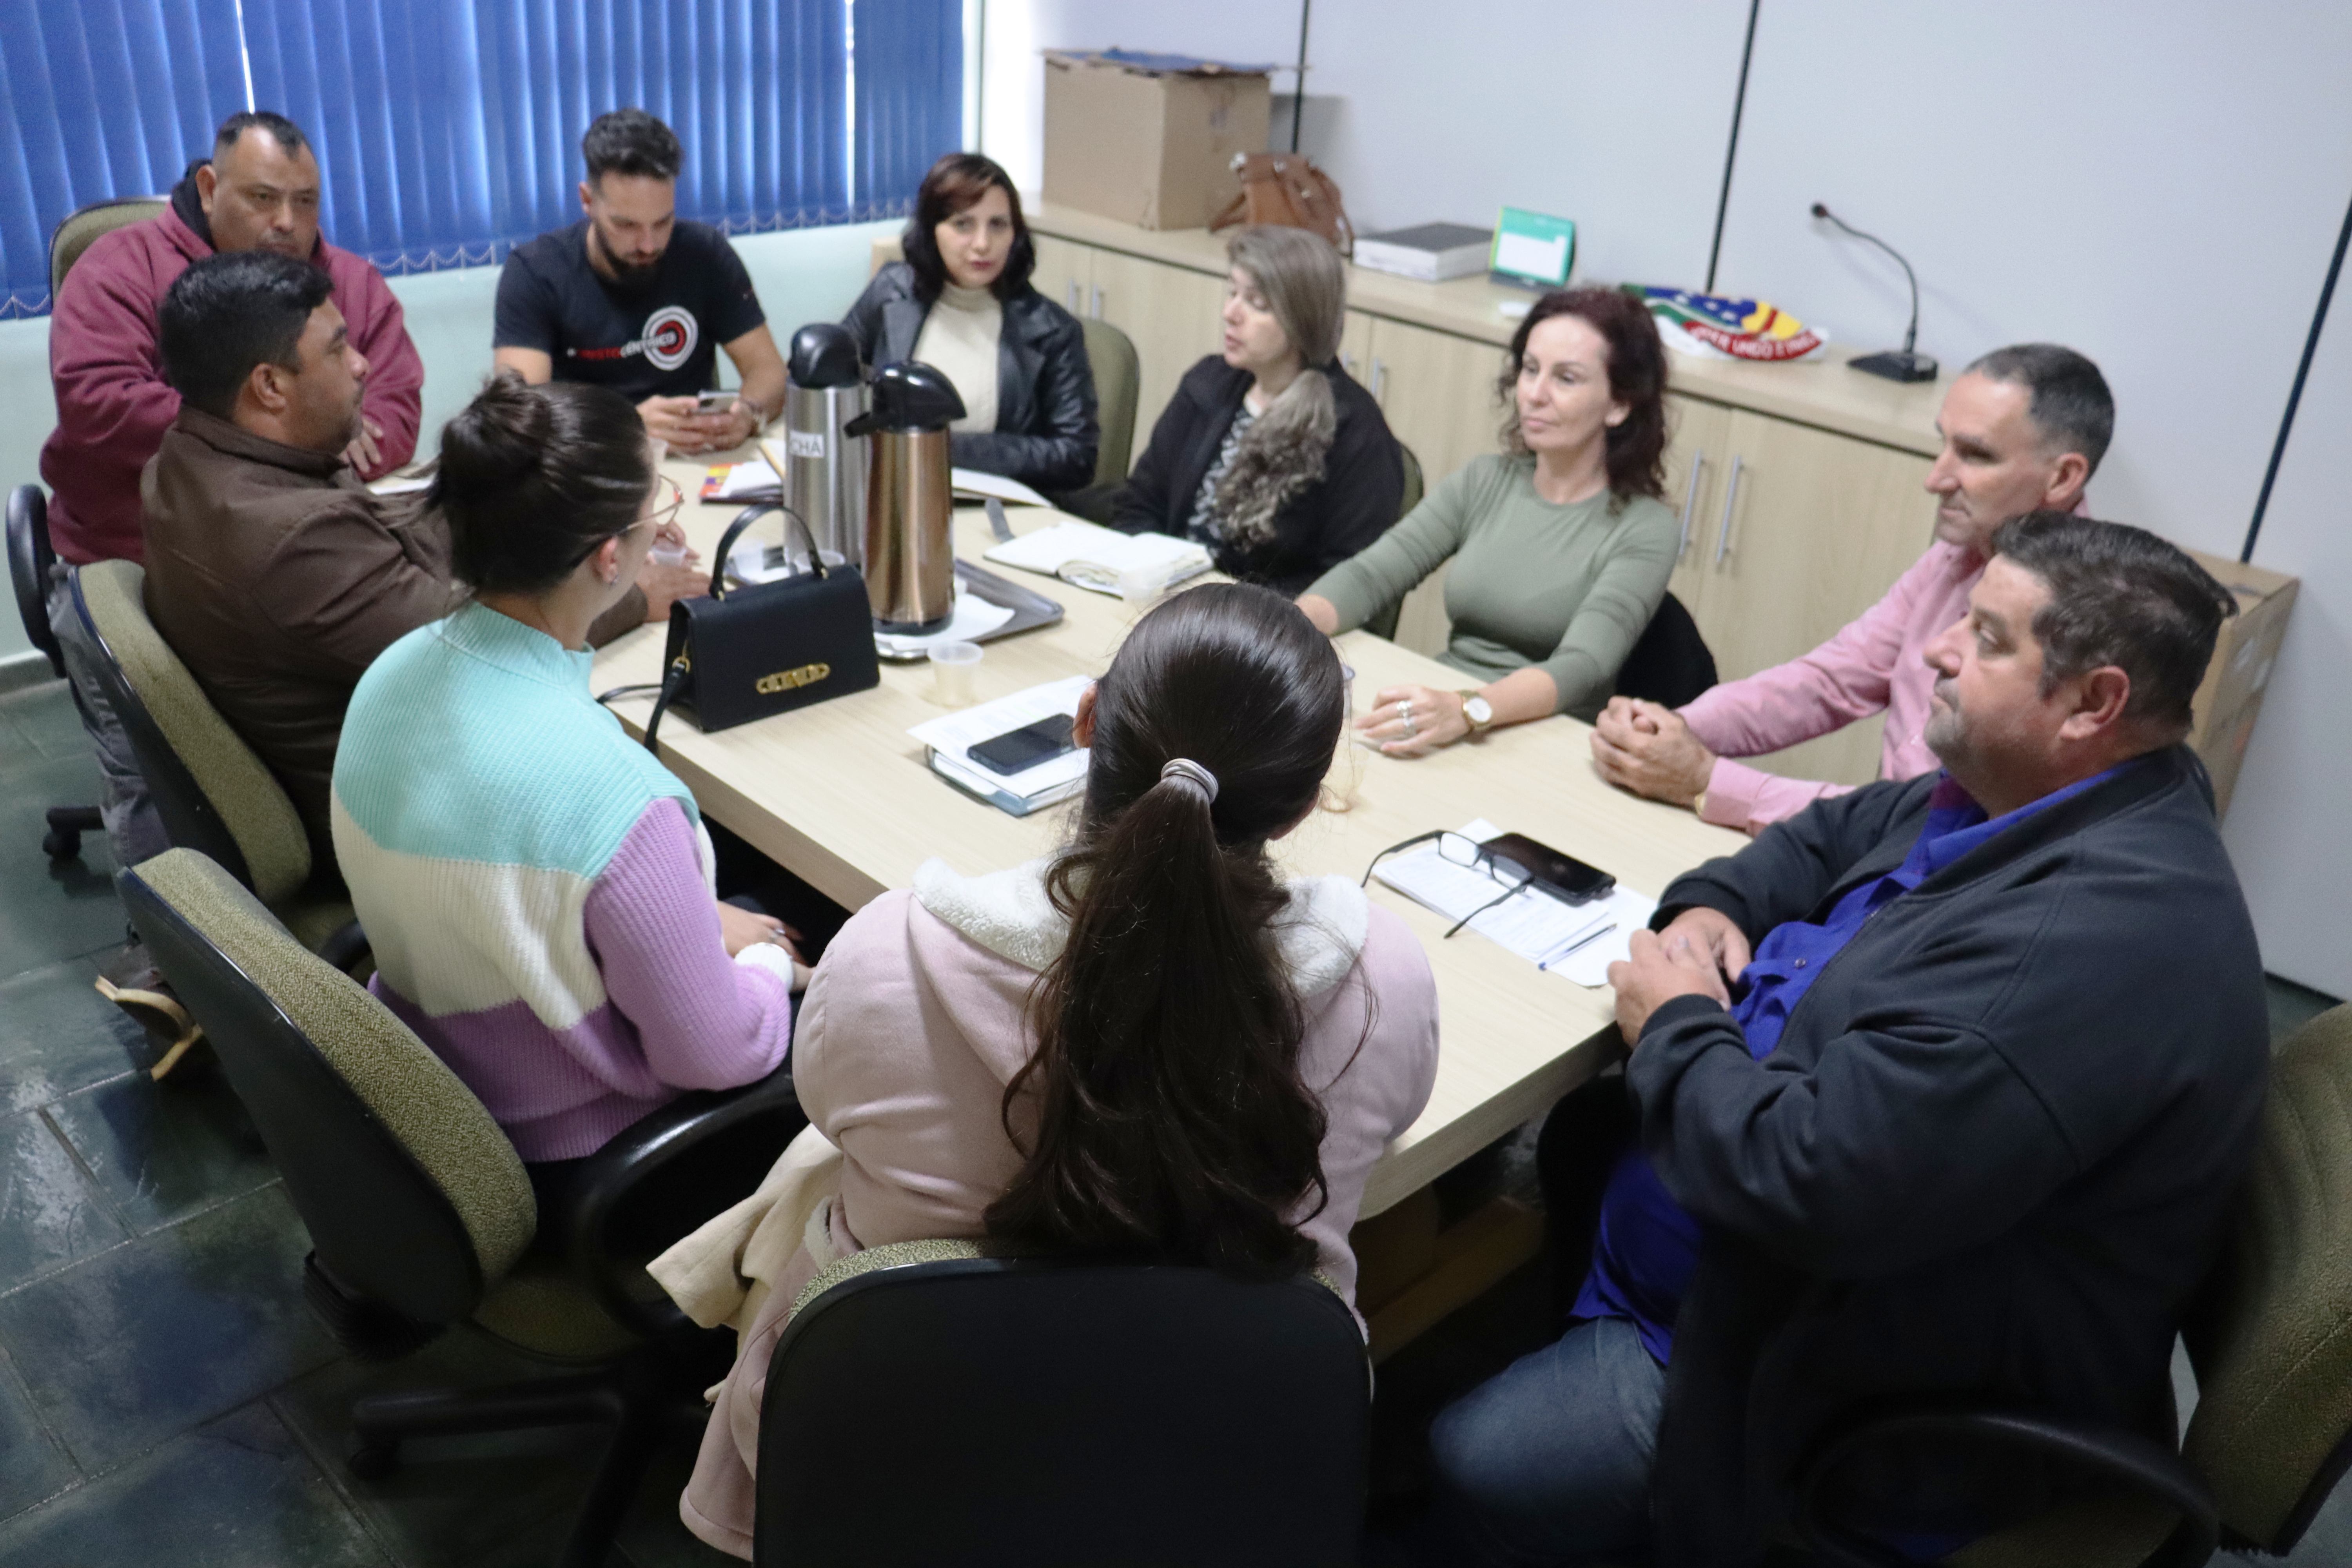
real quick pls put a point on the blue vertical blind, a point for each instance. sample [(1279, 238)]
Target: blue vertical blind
[(72, 135), (447, 131)]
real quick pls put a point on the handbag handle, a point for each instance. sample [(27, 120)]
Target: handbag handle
[(745, 519)]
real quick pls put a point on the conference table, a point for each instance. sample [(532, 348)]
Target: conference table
[(840, 795)]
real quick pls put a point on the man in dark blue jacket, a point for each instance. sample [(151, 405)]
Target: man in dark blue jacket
[(1942, 1090)]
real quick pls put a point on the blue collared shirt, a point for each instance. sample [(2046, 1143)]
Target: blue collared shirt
[(1647, 1247)]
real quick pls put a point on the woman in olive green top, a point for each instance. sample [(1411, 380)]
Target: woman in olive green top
[(1561, 548)]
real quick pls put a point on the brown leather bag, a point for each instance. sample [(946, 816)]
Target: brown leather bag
[(1287, 189)]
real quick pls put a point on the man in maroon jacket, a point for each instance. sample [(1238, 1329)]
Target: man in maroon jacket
[(258, 192)]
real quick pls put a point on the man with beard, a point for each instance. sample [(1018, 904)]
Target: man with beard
[(634, 299), (259, 193), (1940, 1090), (272, 572)]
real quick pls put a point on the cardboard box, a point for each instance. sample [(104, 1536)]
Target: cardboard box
[(1150, 146), (2230, 699)]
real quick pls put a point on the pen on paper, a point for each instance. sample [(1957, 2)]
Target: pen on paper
[(1577, 945)]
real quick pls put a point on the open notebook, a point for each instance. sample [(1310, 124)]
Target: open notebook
[(1132, 566)]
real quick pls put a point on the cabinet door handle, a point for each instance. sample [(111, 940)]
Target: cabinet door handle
[(1347, 364), (1730, 497), (1074, 297), (1690, 500), (1097, 310), (1380, 377)]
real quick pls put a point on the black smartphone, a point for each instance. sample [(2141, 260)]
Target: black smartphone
[(1018, 750), (1564, 877)]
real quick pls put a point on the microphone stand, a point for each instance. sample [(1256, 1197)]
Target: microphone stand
[(1894, 365)]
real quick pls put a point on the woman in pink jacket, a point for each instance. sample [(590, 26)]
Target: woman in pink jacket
[(1150, 1045)]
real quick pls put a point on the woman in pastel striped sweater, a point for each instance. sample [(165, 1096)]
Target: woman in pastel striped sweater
[(536, 886)]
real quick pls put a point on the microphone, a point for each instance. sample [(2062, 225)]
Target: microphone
[(1894, 365)]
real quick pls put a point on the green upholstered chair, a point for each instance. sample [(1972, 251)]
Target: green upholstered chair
[(2272, 1343), (1385, 623), (2273, 1428), (1119, 375), (74, 236), (214, 796), (421, 1214), (1067, 1413)]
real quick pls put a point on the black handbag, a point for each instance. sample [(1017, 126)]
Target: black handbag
[(768, 648)]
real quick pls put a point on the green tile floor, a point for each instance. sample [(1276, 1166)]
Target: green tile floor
[(165, 1397)]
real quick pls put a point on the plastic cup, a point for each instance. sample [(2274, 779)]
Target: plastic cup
[(669, 554), (953, 667)]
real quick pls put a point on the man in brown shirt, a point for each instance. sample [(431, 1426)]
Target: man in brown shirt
[(273, 572)]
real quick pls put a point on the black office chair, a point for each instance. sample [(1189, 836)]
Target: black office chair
[(421, 1213), (1670, 663), (928, 1405), (30, 559)]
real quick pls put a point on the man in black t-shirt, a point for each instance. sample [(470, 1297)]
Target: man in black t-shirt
[(632, 299)]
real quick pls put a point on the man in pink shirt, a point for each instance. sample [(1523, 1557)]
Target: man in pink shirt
[(258, 192), (2025, 428)]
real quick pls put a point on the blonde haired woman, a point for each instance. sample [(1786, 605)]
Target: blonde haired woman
[(1270, 454)]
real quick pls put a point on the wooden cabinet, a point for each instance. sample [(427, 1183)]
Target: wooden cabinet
[(1809, 530), (1171, 314), (1066, 271), (1697, 456)]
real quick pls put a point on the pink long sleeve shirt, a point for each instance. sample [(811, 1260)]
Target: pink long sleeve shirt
[(1877, 661)]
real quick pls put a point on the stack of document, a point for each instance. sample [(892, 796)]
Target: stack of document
[(950, 742), (756, 480), (1431, 252), (1577, 940), (1135, 566)]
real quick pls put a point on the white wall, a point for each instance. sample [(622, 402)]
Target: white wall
[(2162, 193), (2287, 830), (802, 274)]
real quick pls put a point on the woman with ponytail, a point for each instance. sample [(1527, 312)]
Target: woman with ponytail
[(1270, 454), (536, 886), (1148, 1047)]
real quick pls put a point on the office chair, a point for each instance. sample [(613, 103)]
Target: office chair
[(2271, 1340), (30, 559), (420, 1212), (82, 228), (926, 1404), (1385, 623), (1119, 375), (1670, 663)]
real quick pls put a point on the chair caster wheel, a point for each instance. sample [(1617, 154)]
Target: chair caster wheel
[(59, 845), (375, 1461)]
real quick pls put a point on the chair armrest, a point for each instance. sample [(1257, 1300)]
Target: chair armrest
[(2108, 1453), (694, 1124)]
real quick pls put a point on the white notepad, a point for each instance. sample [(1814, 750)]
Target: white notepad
[(1578, 941), (1134, 566)]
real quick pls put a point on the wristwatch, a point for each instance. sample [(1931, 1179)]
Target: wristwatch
[(1477, 713)]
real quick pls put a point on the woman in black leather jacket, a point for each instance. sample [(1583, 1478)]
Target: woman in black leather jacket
[(961, 302)]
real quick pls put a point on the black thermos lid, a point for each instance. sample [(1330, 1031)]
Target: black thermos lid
[(908, 395), (824, 355)]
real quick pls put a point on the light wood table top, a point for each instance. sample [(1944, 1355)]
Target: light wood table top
[(840, 795)]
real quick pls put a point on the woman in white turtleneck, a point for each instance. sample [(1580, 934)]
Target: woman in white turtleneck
[(961, 303)]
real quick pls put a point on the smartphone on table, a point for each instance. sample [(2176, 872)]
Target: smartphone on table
[(1016, 751), (1564, 877)]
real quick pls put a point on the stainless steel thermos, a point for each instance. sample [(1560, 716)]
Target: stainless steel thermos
[(909, 505), (824, 472)]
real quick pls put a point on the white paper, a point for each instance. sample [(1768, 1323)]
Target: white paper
[(953, 735), (1136, 567), (401, 484), (745, 478), (972, 482), (1579, 942), (1529, 256), (974, 618)]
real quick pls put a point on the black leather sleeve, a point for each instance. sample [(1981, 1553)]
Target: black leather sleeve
[(864, 318), (1057, 452)]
